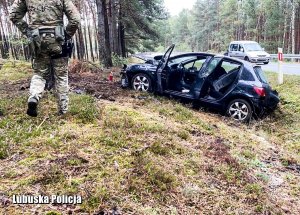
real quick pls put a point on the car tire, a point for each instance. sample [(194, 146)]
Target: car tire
[(141, 82), (240, 110), (247, 59)]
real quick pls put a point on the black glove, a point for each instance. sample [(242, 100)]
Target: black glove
[(67, 36)]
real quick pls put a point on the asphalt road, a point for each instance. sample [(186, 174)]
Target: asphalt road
[(287, 68)]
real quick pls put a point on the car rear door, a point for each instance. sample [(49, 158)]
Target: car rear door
[(161, 72), (241, 52)]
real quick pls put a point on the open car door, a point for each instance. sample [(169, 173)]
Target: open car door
[(162, 65)]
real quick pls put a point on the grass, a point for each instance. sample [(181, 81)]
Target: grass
[(15, 70), (284, 125), (149, 156)]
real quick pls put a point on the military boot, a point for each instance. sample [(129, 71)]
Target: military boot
[(32, 107), (61, 113)]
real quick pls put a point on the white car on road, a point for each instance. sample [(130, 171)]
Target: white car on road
[(248, 50)]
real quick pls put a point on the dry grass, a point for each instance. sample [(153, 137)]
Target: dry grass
[(142, 154)]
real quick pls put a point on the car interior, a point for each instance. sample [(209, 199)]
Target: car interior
[(220, 80), (183, 75)]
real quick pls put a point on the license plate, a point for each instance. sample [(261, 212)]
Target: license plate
[(123, 82)]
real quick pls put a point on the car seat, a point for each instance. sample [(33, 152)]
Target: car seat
[(225, 81), (185, 85)]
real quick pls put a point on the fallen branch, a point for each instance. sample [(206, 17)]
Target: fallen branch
[(42, 123)]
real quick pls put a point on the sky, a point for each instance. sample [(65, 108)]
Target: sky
[(175, 6)]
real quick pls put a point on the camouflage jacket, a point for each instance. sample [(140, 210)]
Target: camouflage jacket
[(44, 13)]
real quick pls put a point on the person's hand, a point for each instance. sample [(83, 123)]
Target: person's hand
[(67, 36)]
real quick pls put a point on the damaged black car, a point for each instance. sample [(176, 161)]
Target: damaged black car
[(232, 86)]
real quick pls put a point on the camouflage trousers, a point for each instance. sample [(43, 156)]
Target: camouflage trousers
[(42, 66)]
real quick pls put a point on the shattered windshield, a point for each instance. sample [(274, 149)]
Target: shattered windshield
[(252, 47)]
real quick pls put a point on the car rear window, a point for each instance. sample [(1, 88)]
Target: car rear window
[(261, 75), (247, 76)]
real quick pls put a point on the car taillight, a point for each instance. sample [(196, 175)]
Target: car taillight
[(260, 91)]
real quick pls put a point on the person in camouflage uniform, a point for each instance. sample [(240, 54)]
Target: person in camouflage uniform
[(45, 23)]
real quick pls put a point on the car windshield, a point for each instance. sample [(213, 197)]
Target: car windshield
[(250, 47)]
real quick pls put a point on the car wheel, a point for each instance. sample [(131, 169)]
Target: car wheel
[(247, 59), (142, 82), (239, 110)]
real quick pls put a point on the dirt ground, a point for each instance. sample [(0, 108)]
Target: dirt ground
[(97, 84), (81, 81)]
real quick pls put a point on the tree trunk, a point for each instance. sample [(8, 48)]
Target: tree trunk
[(103, 34), (293, 26), (89, 34), (114, 29)]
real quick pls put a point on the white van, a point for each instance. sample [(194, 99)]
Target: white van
[(248, 50)]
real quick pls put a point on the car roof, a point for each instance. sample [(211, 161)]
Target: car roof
[(151, 55), (243, 42), (175, 55), (245, 63)]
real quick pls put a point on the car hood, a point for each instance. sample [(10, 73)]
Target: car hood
[(142, 67), (258, 53), (146, 56)]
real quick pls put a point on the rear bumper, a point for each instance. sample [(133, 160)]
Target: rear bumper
[(262, 106)]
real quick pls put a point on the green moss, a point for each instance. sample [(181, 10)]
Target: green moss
[(159, 149), (15, 70), (160, 178), (248, 154), (255, 189), (93, 202), (52, 213), (53, 175), (83, 108), (3, 148), (183, 135)]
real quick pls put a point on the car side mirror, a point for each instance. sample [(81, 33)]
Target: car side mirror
[(242, 50)]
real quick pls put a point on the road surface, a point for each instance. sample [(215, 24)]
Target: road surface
[(287, 68)]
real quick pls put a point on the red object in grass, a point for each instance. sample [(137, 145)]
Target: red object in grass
[(260, 91), (111, 77)]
